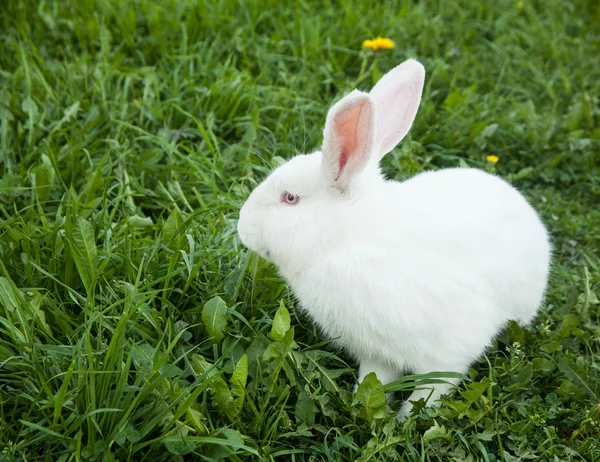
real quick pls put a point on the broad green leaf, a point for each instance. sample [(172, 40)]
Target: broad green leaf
[(453, 100), (42, 177), (132, 434), (181, 445), (202, 366), (515, 332), (222, 395), (522, 378), (85, 254), (576, 375), (94, 181), (69, 113), (143, 357), (567, 307), (140, 222), (570, 390), (8, 298), (221, 444), (272, 351), (376, 446), (13, 301), (550, 347), (196, 418), (305, 409), (462, 163), (487, 435), (489, 130), (371, 395), (475, 390), (239, 377), (580, 113), (275, 355), (289, 372), (238, 387), (436, 431), (280, 348), (28, 106), (524, 173), (453, 407), (172, 229), (129, 433), (281, 323), (37, 313), (72, 110), (569, 322), (508, 457), (214, 317), (542, 365), (474, 414)]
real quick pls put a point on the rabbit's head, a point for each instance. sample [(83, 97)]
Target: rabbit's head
[(314, 203)]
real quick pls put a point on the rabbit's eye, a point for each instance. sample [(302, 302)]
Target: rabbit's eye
[(289, 198)]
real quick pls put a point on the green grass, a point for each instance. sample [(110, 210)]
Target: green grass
[(133, 324)]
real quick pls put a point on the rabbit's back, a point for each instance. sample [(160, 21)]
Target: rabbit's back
[(485, 227)]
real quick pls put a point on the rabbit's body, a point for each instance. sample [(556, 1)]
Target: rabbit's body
[(413, 276), (448, 278)]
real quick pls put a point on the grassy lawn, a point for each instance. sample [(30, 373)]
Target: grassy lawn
[(135, 326)]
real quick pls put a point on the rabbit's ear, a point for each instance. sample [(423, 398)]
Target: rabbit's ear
[(396, 96), (348, 138)]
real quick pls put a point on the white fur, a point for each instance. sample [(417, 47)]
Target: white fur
[(416, 276)]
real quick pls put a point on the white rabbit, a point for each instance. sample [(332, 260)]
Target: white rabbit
[(414, 276)]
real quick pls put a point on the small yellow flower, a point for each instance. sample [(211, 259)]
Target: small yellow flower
[(520, 5), (379, 43), (493, 159)]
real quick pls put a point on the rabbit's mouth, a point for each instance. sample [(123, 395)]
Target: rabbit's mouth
[(252, 242)]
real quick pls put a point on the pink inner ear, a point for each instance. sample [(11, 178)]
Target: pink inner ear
[(348, 130)]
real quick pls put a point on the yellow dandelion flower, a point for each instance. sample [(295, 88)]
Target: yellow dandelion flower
[(380, 43), (493, 159), (520, 5)]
